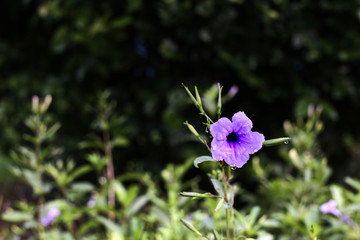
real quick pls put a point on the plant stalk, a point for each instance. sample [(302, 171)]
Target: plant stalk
[(109, 169), (225, 181)]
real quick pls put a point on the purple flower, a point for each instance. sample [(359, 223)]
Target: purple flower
[(233, 90), (234, 141), (50, 216), (330, 207), (92, 201), (348, 220)]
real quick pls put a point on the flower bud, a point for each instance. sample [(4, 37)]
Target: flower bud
[(192, 129), (35, 103), (45, 104), (193, 99)]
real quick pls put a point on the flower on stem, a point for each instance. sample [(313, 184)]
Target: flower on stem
[(50, 216), (330, 207), (233, 141)]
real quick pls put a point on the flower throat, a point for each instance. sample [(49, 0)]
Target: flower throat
[(232, 137)]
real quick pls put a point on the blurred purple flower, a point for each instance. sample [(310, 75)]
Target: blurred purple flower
[(92, 201), (233, 90), (50, 216), (234, 141), (348, 220), (330, 207)]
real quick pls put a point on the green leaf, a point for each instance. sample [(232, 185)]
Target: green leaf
[(196, 195), (276, 141), (218, 186), (16, 216), (253, 215), (120, 191), (336, 192), (78, 172), (219, 204), (353, 183), (191, 227), (82, 187), (201, 159), (110, 225), (137, 204), (131, 194), (120, 142), (52, 130)]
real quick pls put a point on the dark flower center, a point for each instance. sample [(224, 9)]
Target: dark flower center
[(232, 137)]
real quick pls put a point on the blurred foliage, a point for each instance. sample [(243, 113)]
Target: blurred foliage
[(283, 204), (282, 55)]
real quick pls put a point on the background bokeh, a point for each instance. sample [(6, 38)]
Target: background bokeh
[(282, 55)]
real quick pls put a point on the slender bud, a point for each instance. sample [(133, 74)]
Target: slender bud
[(311, 110), (198, 98), (196, 195), (45, 104), (219, 104), (35, 103), (193, 99), (192, 129)]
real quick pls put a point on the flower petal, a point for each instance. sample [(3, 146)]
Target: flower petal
[(252, 141), (220, 129), (241, 123), (220, 149), (239, 157)]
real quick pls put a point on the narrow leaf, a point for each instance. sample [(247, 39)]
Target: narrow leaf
[(196, 195), (78, 172), (138, 204), (191, 227), (219, 204), (110, 225), (276, 141), (201, 159), (254, 213), (353, 183)]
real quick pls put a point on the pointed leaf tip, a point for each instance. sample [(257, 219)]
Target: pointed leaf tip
[(201, 159), (190, 227)]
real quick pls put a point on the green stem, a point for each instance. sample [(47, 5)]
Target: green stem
[(109, 169), (227, 224), (38, 170), (225, 181), (225, 184), (207, 117), (233, 220)]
